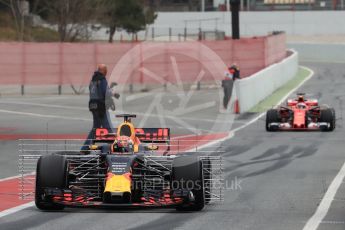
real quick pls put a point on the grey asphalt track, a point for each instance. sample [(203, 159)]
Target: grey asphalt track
[(282, 176)]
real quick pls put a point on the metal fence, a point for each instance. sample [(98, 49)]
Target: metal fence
[(257, 5), (73, 63)]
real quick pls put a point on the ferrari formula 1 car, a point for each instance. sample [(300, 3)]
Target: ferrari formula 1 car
[(123, 169), (301, 114)]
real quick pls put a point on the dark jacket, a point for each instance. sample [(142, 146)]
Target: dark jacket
[(236, 72), (99, 91)]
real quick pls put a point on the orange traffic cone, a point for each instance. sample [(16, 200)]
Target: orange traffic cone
[(236, 107)]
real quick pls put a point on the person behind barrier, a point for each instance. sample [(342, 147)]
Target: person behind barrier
[(99, 102), (236, 71), (231, 75)]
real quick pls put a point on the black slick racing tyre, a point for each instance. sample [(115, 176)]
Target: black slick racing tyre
[(51, 172), (271, 117), (187, 174), (328, 116)]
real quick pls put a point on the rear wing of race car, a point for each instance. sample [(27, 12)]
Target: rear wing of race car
[(153, 135), (147, 135)]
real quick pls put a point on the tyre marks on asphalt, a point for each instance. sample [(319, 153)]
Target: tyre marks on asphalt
[(277, 157), (270, 152), (238, 149)]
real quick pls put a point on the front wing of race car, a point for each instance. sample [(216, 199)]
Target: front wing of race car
[(77, 198), (279, 126), (70, 198)]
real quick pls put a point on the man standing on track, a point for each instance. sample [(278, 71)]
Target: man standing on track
[(99, 103), (231, 75)]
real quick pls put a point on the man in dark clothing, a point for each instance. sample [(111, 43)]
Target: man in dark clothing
[(236, 71), (231, 75), (99, 103)]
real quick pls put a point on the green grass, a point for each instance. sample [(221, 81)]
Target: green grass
[(7, 34), (35, 34), (31, 34), (40, 34), (274, 98)]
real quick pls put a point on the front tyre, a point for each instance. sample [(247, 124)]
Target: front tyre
[(187, 174), (328, 116), (271, 117), (51, 172)]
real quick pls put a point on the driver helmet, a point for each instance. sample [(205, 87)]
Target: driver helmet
[(300, 98), (301, 106), (123, 144)]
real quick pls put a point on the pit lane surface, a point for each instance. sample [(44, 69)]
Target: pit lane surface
[(274, 180)]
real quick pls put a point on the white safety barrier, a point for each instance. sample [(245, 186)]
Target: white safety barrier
[(251, 90)]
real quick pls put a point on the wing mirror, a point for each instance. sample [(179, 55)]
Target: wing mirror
[(152, 147), (93, 147)]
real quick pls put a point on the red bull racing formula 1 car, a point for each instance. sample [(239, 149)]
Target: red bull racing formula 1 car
[(123, 169), (301, 114)]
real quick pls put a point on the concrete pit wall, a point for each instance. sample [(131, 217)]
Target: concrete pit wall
[(250, 91)]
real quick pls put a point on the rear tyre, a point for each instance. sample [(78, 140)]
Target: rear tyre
[(328, 116), (187, 174), (271, 117), (51, 172)]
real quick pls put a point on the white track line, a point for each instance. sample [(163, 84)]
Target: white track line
[(229, 136), (204, 106), (85, 119), (16, 209), (45, 105), (16, 177), (20, 207), (43, 115), (320, 213), (10, 178)]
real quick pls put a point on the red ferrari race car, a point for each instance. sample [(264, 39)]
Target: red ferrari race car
[(301, 114), (122, 169)]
